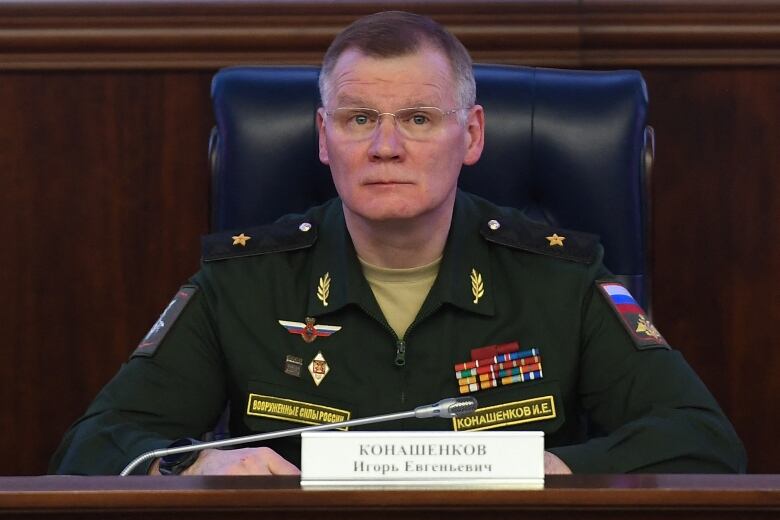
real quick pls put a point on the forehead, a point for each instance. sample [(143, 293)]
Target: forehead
[(424, 77)]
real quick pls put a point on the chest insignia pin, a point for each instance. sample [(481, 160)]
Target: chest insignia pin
[(292, 366), (309, 331), (318, 368)]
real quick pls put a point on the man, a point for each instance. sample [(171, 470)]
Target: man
[(367, 304)]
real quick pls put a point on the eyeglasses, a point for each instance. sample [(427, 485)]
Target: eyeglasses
[(417, 123)]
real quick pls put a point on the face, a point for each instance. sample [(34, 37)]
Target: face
[(387, 176)]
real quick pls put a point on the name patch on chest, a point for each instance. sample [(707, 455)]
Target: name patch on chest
[(499, 416), (294, 411)]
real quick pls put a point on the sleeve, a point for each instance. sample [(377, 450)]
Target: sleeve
[(177, 390), (647, 410)]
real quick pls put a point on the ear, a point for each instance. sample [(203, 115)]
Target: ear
[(475, 134), (323, 144)]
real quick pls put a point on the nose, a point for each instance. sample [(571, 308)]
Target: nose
[(386, 143)]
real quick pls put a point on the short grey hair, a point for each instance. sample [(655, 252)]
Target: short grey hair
[(391, 34)]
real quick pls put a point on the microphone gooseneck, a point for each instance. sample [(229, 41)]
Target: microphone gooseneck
[(445, 409)]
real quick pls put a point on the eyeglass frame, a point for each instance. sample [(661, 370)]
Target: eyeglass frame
[(395, 117)]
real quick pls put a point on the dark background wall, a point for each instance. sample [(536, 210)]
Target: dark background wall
[(104, 122)]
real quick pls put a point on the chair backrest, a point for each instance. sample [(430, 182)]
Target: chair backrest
[(567, 146)]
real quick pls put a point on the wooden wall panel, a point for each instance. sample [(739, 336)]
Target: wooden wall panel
[(716, 204), (104, 120), (104, 195), (168, 34)]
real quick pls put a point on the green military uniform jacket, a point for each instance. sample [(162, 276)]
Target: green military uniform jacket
[(608, 401)]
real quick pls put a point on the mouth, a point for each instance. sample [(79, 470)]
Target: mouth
[(385, 182)]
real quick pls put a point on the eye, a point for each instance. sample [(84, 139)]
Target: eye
[(420, 118), (416, 117), (360, 119)]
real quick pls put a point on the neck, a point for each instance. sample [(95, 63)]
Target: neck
[(402, 243)]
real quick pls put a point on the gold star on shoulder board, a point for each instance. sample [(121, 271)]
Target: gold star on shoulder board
[(240, 240), (556, 240)]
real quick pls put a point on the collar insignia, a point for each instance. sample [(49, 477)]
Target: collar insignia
[(323, 289), (309, 331), (477, 287)]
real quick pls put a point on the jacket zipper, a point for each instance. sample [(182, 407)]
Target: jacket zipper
[(400, 347), (400, 350)]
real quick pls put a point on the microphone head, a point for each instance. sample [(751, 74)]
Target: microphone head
[(462, 406), (447, 408)]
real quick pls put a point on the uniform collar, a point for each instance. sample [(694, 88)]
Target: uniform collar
[(464, 278), (336, 279)]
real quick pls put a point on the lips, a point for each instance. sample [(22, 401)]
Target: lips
[(388, 182)]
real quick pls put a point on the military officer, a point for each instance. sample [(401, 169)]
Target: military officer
[(400, 292)]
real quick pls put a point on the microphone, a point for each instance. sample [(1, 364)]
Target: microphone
[(445, 409)]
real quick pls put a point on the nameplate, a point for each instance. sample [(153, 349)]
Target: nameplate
[(423, 459)]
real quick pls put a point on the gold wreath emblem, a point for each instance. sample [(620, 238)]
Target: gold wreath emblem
[(477, 287), (323, 290), (645, 327)]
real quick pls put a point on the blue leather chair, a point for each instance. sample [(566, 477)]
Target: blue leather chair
[(569, 147)]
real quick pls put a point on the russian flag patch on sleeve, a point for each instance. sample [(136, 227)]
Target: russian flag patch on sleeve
[(632, 316)]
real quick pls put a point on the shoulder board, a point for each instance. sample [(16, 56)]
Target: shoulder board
[(286, 234), (520, 232)]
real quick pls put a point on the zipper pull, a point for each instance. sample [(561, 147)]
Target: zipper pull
[(400, 353)]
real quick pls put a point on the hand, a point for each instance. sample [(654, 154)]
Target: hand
[(245, 461), (554, 466)]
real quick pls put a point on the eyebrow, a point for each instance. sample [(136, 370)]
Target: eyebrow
[(350, 101), (354, 101)]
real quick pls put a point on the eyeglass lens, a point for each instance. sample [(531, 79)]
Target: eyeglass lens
[(416, 123)]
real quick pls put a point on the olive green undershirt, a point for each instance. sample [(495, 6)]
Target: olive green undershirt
[(400, 292)]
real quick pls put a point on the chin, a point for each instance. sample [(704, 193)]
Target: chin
[(389, 215), (382, 212), (394, 205)]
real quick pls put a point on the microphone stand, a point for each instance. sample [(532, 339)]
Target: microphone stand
[(446, 408)]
